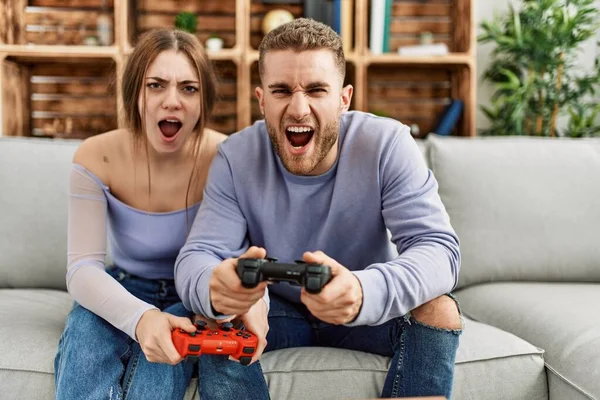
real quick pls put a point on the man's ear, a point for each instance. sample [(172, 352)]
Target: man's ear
[(258, 91), (346, 97)]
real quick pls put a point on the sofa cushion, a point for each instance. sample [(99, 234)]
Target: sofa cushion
[(524, 208), (487, 359), (561, 318), (33, 320), (33, 210)]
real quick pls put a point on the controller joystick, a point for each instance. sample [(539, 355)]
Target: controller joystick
[(226, 326), (200, 325)]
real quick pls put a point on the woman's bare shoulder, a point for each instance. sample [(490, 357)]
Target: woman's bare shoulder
[(213, 139), (96, 152)]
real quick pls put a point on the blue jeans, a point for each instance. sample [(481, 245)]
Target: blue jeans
[(98, 361), (422, 356)]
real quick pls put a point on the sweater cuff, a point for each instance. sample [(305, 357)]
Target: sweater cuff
[(135, 320), (375, 297)]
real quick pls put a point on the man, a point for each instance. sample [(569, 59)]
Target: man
[(315, 182)]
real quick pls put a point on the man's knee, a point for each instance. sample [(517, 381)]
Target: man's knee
[(441, 312)]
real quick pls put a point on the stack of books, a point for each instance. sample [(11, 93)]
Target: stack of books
[(336, 13)]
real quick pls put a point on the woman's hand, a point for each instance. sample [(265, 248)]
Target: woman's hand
[(153, 332)]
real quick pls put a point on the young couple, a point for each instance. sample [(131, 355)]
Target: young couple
[(311, 181)]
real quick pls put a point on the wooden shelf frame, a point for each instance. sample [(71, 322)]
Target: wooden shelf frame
[(243, 55)]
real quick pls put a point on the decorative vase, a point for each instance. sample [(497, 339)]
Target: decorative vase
[(214, 44)]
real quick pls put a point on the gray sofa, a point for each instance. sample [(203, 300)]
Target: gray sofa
[(527, 211)]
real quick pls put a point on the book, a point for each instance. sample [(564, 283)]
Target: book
[(449, 118), (387, 25), (319, 10), (376, 26), (435, 49)]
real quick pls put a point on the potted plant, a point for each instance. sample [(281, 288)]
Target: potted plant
[(533, 72), (186, 21), (214, 43)]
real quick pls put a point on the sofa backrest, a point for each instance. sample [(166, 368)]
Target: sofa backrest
[(33, 211), (525, 209)]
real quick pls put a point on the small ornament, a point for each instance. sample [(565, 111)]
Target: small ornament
[(275, 18)]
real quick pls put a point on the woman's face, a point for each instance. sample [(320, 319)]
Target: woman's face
[(171, 91)]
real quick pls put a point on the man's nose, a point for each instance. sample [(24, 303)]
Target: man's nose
[(299, 106)]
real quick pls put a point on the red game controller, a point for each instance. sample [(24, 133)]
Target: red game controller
[(223, 340)]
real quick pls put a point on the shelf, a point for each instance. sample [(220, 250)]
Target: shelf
[(252, 56), (222, 55), (413, 89), (60, 51), (390, 58)]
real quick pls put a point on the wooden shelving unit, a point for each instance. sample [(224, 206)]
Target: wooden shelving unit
[(43, 44)]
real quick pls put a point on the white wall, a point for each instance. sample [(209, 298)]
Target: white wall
[(485, 11)]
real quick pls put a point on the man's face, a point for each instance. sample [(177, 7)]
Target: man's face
[(302, 100)]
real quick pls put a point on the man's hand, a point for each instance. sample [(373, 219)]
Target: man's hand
[(340, 300), (227, 295), (256, 321), (153, 332)]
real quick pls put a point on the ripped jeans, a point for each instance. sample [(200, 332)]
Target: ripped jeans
[(422, 356), (98, 361)]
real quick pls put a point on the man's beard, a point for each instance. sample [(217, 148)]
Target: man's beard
[(323, 140)]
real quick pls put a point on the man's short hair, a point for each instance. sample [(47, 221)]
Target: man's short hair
[(300, 35)]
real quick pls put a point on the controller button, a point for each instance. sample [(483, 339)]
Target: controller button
[(313, 282), (246, 336), (250, 277), (245, 360), (239, 334), (313, 269), (193, 334), (248, 350), (194, 347)]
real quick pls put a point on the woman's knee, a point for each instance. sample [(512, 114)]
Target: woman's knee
[(84, 329)]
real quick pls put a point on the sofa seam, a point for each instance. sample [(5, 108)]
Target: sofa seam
[(568, 381), (26, 370), (385, 370)]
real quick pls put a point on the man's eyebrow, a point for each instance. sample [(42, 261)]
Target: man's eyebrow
[(279, 85), (161, 80), (312, 85)]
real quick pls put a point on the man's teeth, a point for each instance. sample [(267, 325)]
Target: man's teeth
[(299, 129)]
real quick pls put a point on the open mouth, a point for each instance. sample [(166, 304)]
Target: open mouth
[(299, 136), (169, 128)]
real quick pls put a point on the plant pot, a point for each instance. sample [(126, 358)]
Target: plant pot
[(214, 44)]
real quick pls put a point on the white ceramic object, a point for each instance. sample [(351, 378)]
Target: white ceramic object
[(214, 44)]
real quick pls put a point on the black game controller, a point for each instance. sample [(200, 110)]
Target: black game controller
[(254, 270)]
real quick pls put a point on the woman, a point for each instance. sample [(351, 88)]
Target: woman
[(141, 186)]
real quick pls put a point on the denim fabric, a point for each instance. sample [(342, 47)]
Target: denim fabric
[(422, 356), (97, 361)]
